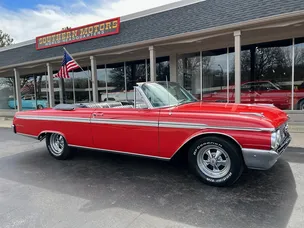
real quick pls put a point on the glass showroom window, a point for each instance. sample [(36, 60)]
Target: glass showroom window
[(41, 90), (188, 71), (63, 89), (34, 91), (102, 83), (7, 93), (116, 84), (162, 69), (81, 85), (214, 76), (57, 89), (135, 72), (299, 74), (266, 71)]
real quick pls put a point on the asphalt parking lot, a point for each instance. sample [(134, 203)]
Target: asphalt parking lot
[(97, 189)]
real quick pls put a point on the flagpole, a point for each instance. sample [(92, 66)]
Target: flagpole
[(74, 94), (34, 80), (77, 63)]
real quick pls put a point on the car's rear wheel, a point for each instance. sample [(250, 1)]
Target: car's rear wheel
[(301, 105), (39, 106), (216, 161), (57, 146)]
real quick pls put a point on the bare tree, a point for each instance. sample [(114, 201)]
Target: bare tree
[(5, 39)]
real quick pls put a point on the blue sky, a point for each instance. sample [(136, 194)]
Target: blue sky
[(20, 4), (25, 19)]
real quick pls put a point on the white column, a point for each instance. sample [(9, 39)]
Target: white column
[(228, 71), (94, 78), (50, 84), (173, 68), (237, 49), (201, 75), (106, 79), (152, 64), (18, 93), (292, 74)]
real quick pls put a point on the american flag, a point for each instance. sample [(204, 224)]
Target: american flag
[(68, 64)]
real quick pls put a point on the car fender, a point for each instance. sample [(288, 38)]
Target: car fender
[(44, 132), (205, 133)]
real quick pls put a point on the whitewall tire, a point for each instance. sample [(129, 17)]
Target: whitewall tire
[(216, 161), (57, 146)]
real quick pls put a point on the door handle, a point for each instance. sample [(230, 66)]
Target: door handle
[(97, 114)]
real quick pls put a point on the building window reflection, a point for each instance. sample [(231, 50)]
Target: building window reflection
[(266, 74), (214, 76), (34, 91), (299, 74), (7, 93), (81, 85), (111, 82), (162, 69), (188, 71)]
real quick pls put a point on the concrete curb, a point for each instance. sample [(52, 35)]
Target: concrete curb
[(5, 124)]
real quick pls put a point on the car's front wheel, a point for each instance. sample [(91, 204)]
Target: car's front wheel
[(57, 146), (216, 161)]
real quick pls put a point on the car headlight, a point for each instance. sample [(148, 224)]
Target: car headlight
[(275, 139)]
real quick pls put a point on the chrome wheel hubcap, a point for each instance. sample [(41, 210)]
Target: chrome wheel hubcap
[(213, 161), (57, 144)]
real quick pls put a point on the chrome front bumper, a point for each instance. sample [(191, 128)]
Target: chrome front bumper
[(264, 159)]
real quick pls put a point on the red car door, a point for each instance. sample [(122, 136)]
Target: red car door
[(127, 130)]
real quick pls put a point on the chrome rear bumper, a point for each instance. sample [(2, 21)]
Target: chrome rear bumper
[(264, 159), (14, 128)]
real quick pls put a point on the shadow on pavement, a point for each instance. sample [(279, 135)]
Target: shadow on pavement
[(161, 189), (294, 154)]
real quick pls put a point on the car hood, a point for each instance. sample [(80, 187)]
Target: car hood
[(269, 113)]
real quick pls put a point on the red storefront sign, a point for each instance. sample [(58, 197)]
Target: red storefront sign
[(86, 32)]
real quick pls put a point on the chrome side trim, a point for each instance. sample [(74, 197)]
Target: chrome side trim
[(243, 128), (253, 113), (204, 126), (55, 118), (182, 125), (126, 122), (165, 124), (120, 152), (206, 133)]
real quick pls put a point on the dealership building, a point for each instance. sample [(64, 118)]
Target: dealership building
[(238, 51)]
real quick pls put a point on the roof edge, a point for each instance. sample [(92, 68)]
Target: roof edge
[(128, 17)]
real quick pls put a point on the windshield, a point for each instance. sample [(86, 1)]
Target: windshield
[(162, 94)]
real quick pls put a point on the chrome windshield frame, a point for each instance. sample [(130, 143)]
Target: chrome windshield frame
[(138, 87), (146, 100)]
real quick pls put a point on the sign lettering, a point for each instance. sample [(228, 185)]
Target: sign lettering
[(91, 31)]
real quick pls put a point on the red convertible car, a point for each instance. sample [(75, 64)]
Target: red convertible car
[(262, 92), (163, 121)]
